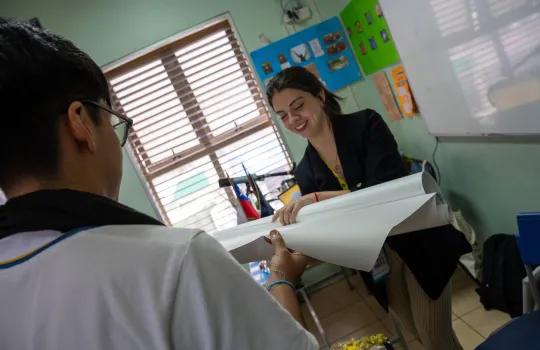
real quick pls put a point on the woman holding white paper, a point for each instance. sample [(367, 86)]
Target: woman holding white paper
[(348, 152)]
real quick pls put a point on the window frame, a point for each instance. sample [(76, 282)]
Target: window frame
[(166, 48)]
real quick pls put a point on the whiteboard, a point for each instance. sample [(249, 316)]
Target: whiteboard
[(473, 65)]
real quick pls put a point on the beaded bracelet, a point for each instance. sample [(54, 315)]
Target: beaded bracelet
[(278, 282)]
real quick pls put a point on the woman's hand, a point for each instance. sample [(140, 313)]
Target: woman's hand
[(287, 214)]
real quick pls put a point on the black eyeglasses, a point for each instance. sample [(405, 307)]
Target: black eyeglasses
[(121, 123)]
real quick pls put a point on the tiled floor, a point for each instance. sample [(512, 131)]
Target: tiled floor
[(347, 314)]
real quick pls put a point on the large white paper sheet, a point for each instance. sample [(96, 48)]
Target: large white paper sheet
[(349, 230)]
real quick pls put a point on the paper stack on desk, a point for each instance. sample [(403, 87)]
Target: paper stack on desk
[(348, 230)]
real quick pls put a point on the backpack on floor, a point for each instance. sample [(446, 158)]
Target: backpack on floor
[(502, 273)]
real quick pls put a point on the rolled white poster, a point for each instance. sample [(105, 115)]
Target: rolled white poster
[(348, 230)]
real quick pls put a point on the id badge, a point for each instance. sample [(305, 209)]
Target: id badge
[(381, 269)]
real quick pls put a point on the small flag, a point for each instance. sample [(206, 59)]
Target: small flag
[(264, 206), (245, 203)]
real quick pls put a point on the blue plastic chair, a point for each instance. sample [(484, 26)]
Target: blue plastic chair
[(522, 332), (528, 240)]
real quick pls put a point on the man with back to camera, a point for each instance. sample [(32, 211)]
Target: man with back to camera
[(80, 271)]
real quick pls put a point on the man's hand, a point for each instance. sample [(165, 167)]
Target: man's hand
[(286, 264)]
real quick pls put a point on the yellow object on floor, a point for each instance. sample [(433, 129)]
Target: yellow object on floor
[(372, 342)]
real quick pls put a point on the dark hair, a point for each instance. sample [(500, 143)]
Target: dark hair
[(40, 75), (300, 78)]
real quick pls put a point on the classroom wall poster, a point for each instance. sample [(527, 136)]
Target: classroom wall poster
[(369, 35), (387, 97), (323, 49), (403, 92)]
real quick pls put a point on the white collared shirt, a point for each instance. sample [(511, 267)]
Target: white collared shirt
[(135, 287)]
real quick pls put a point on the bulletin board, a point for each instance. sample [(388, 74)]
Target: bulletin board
[(370, 36), (323, 49)]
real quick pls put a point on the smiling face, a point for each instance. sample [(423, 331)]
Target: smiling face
[(301, 112)]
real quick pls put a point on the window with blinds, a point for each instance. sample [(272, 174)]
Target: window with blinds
[(198, 115)]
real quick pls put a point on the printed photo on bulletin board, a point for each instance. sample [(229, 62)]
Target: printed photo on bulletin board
[(323, 49), (370, 36), (387, 97), (404, 93)]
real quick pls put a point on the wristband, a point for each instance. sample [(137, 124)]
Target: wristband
[(278, 282)]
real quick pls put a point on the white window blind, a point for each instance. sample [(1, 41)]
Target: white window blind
[(198, 114)]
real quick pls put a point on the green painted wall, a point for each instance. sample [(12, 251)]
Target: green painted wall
[(491, 180)]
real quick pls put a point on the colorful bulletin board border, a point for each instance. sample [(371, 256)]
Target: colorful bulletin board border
[(370, 36), (323, 49)]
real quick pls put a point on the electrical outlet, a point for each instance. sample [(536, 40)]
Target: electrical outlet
[(303, 13), (297, 15)]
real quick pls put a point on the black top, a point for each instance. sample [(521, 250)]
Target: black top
[(369, 155)]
